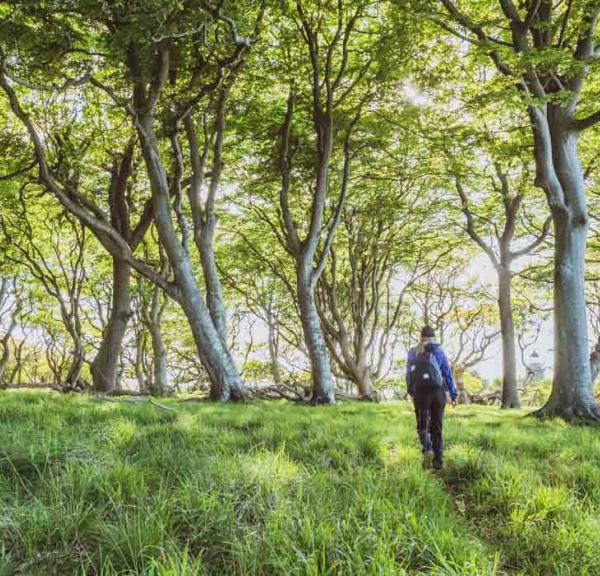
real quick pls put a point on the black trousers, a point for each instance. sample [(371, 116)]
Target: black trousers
[(429, 409)]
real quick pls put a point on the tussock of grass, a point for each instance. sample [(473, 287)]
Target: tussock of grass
[(93, 488)]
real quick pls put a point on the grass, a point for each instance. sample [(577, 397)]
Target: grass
[(89, 487)]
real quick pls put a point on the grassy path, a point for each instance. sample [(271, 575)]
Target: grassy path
[(102, 488)]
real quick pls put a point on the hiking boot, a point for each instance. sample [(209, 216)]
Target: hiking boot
[(438, 464)]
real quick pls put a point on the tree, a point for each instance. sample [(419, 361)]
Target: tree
[(459, 310), (545, 53), (377, 258), (53, 251), (505, 247), (158, 79), (10, 309)]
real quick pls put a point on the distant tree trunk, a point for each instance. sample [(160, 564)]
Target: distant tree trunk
[(6, 341), (152, 319), (104, 368), (144, 382), (364, 383), (16, 375), (459, 375), (510, 392), (273, 347), (159, 355)]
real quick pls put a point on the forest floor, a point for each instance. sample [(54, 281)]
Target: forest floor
[(93, 487)]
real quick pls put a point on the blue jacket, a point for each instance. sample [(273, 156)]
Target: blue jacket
[(443, 363)]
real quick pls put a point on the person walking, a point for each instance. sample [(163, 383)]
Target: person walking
[(428, 378)]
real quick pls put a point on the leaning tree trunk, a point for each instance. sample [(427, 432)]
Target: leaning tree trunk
[(510, 392), (323, 391), (572, 392), (105, 366), (225, 380)]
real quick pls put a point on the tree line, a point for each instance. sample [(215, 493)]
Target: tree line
[(337, 170)]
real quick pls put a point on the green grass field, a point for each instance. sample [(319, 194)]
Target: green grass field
[(91, 487)]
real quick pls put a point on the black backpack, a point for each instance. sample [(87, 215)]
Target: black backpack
[(426, 373)]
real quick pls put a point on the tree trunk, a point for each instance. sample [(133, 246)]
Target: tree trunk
[(225, 380), (6, 343), (572, 392), (459, 376), (105, 366), (364, 383), (214, 290), (73, 378), (273, 350), (159, 359), (323, 391), (140, 371), (510, 392), (16, 375)]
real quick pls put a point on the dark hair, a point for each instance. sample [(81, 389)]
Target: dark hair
[(427, 332)]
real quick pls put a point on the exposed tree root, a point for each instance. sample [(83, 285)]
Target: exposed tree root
[(580, 413)]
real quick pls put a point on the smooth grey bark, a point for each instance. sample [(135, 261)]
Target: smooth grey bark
[(510, 392), (159, 362), (552, 97), (151, 316), (572, 394), (105, 366), (313, 335), (204, 214), (141, 373), (226, 382)]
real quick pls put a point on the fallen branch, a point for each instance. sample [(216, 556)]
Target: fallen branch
[(487, 399)]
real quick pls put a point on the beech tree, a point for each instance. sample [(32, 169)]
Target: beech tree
[(157, 73), (545, 53), (10, 308), (53, 252), (503, 242)]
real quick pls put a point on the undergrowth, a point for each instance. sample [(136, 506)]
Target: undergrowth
[(90, 487)]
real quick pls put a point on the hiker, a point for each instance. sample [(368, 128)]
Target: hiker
[(428, 378)]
